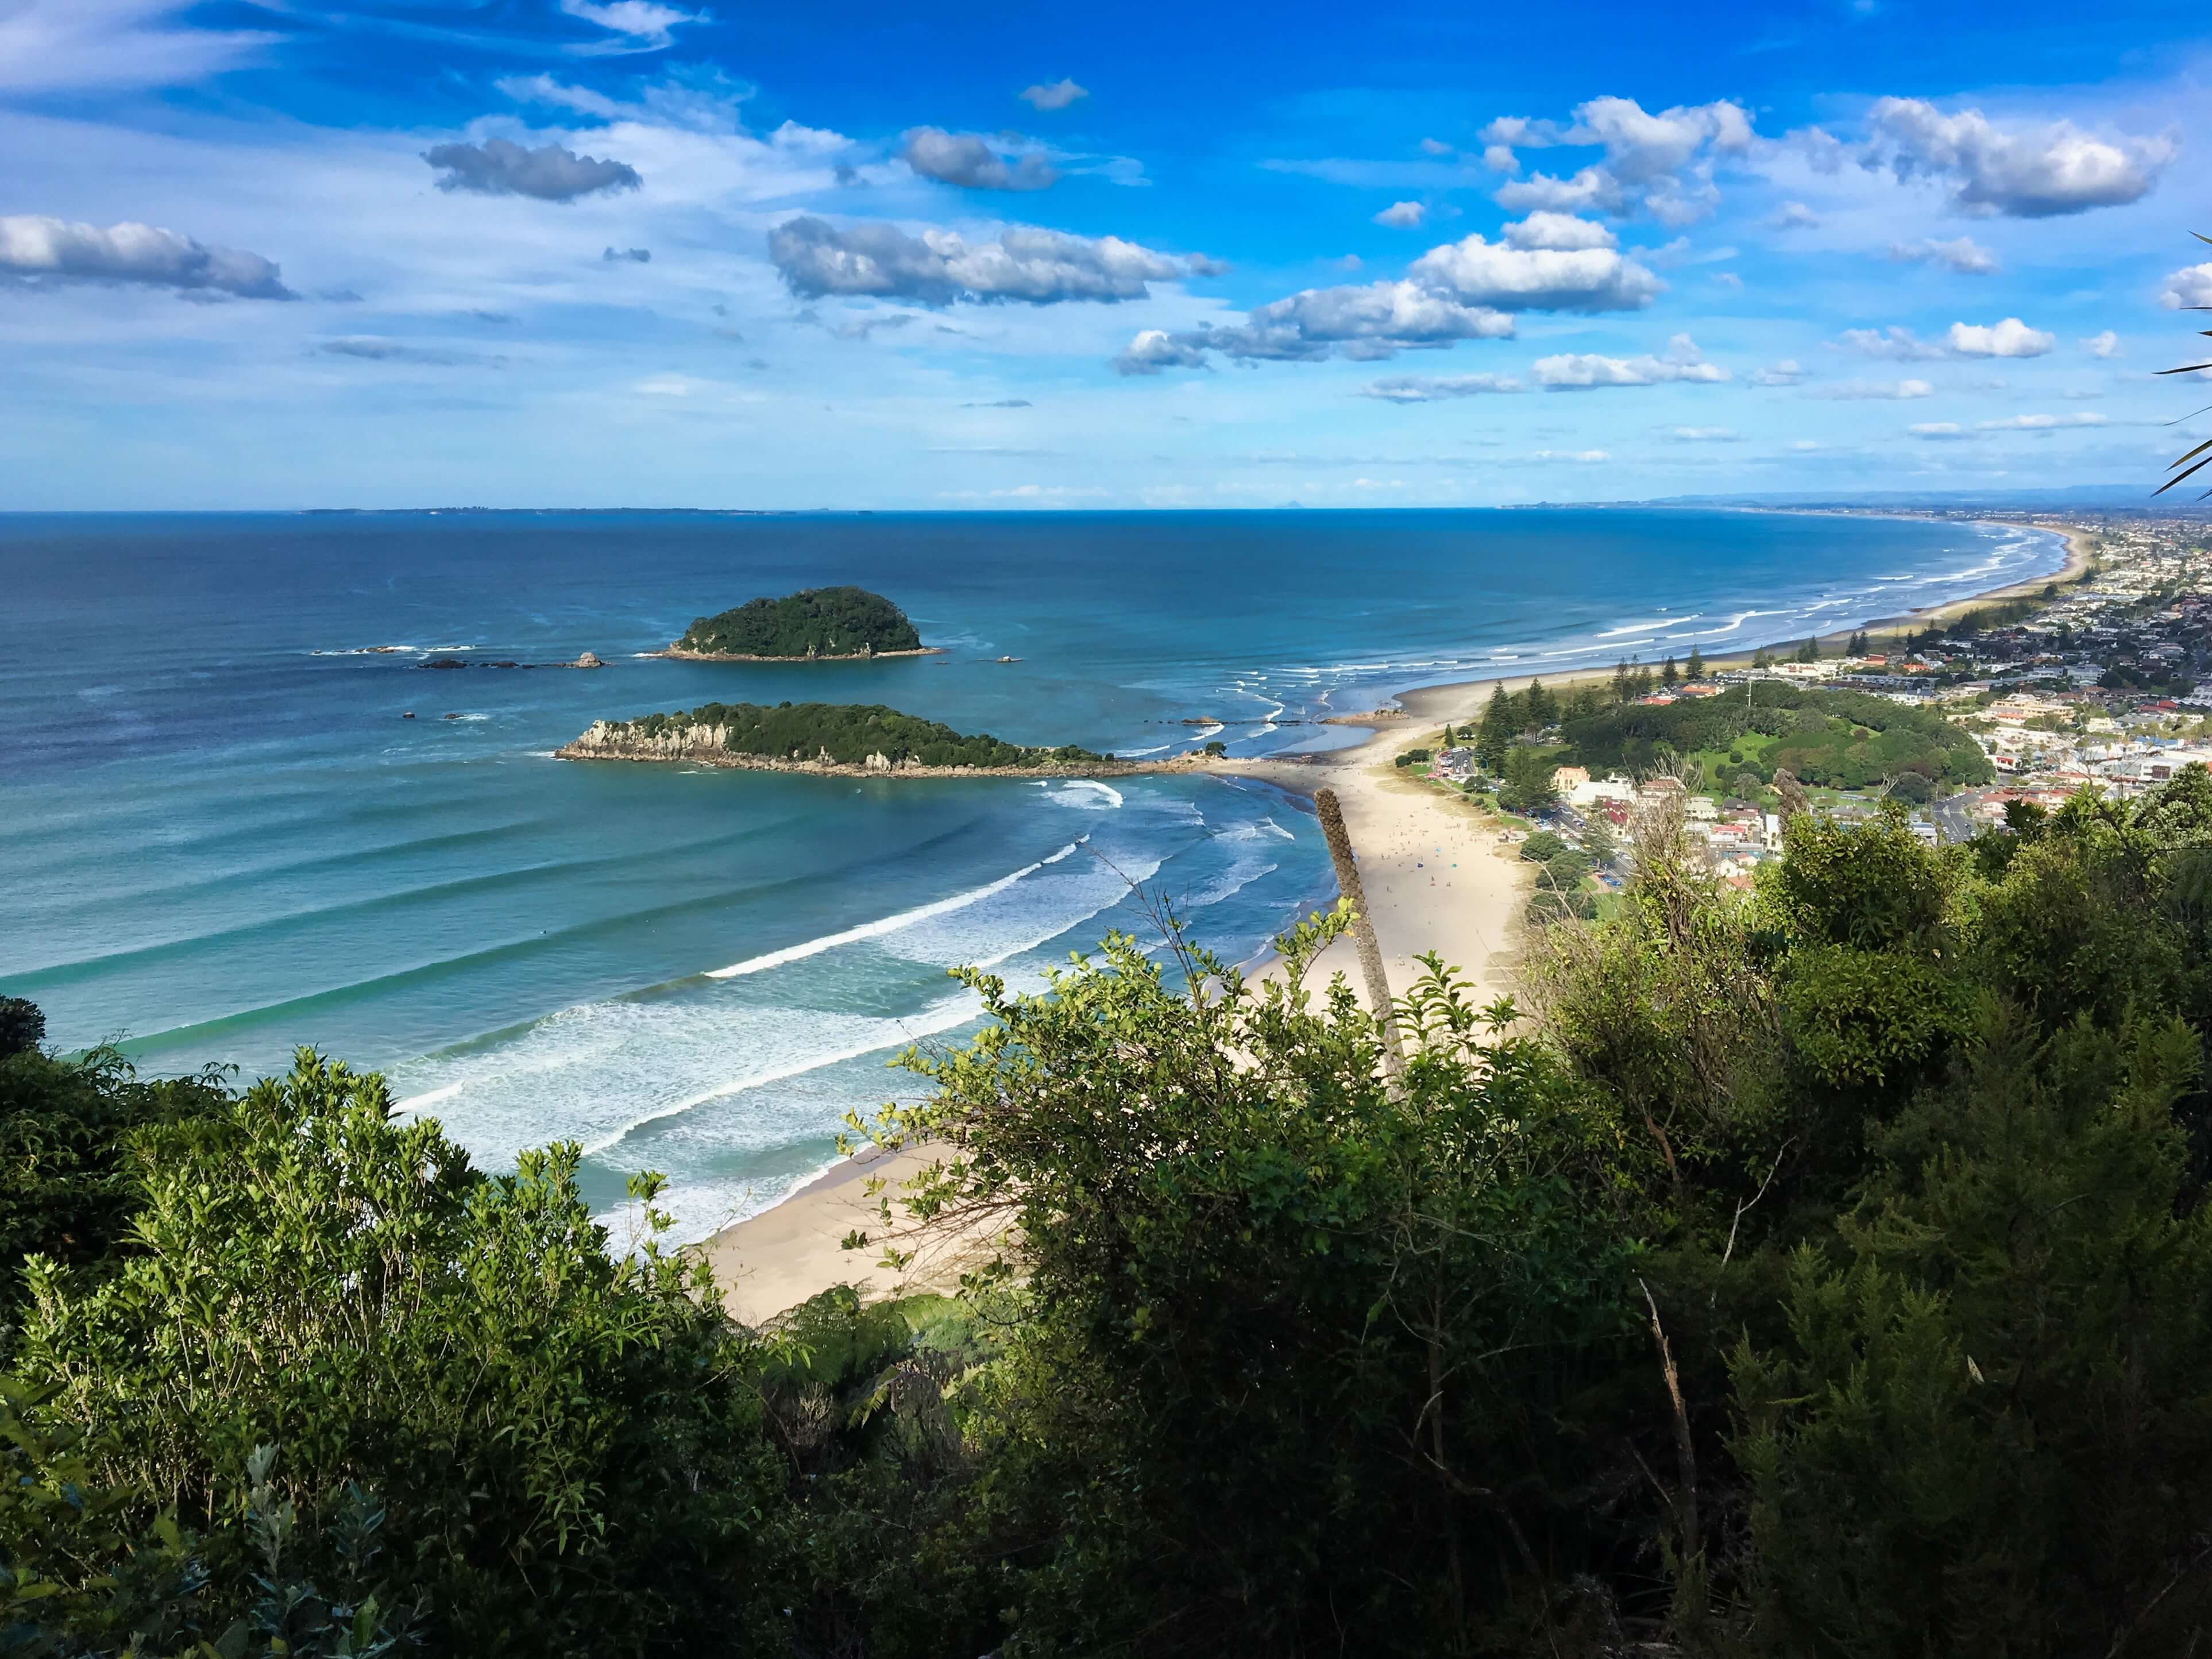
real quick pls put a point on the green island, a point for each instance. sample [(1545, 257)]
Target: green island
[(816, 624), (819, 737)]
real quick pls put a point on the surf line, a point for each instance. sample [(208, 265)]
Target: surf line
[(890, 924)]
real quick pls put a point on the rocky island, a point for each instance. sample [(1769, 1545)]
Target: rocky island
[(819, 624), (838, 739)]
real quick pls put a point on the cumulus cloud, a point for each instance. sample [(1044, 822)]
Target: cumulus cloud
[(1041, 267), (1361, 322), (1585, 371), (1464, 290), (2028, 172), (1937, 429), (1586, 279), (1402, 215), (968, 160), (2187, 290), (1898, 345), (1429, 389), (1961, 254), (644, 25), (2009, 338), (499, 166), (1794, 216), (1850, 391), (2107, 345), (60, 250), (1785, 373), (1056, 94), (1562, 231), (1661, 163), (1435, 147), (636, 255)]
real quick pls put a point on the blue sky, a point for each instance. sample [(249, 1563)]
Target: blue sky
[(638, 252)]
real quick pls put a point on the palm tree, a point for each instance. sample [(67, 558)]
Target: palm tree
[(2201, 456)]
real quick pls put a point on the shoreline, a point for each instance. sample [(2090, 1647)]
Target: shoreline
[(1466, 909), (722, 759), (677, 653)]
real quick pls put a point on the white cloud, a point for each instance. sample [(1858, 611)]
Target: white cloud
[(645, 25), (1727, 279), (1587, 457), (1705, 434), (1895, 344), (1961, 254), (1587, 371), (1436, 147), (2009, 338), (1500, 159), (2188, 289), (1049, 96), (1794, 216), (2107, 345), (2041, 423), (1426, 389), (1402, 215), (32, 246), (1042, 267), (1850, 391), (1661, 163), (1587, 279), (2027, 174), (1562, 231), (1785, 373), (970, 161), (1151, 350), (1364, 323), (50, 45), (1937, 429)]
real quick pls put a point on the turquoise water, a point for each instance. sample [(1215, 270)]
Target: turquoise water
[(220, 839)]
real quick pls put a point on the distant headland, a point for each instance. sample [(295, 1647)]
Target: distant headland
[(818, 625), (840, 739)]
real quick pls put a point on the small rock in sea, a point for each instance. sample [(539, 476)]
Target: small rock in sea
[(589, 660), (408, 716), (1005, 659), (444, 662), (449, 717)]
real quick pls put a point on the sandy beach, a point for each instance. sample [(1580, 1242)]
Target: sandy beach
[(1437, 879)]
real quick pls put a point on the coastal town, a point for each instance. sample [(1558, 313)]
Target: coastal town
[(2101, 680)]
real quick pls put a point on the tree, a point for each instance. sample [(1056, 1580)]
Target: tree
[(1278, 1340), (1762, 659), (563, 1440), (1624, 684), (1669, 676), (1497, 732), (1810, 651), (1528, 785), (1695, 669), (1542, 708)]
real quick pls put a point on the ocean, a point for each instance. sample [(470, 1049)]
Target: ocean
[(221, 840)]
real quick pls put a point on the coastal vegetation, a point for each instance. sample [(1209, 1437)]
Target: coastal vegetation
[(816, 622), (1821, 1270), (1836, 739), (837, 734)]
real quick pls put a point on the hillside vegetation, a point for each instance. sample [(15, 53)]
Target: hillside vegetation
[(1836, 739), (846, 733), (819, 622), (1823, 1274)]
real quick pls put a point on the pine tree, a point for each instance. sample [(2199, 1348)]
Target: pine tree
[(1543, 709), (1696, 667), (1496, 735), (1623, 686), (1668, 675), (1644, 681)]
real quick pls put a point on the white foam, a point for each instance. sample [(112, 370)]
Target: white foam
[(883, 925), (1086, 792)]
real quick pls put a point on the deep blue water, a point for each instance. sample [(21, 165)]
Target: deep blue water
[(220, 840)]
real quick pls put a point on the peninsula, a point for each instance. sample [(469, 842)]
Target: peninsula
[(818, 625), (853, 739)]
